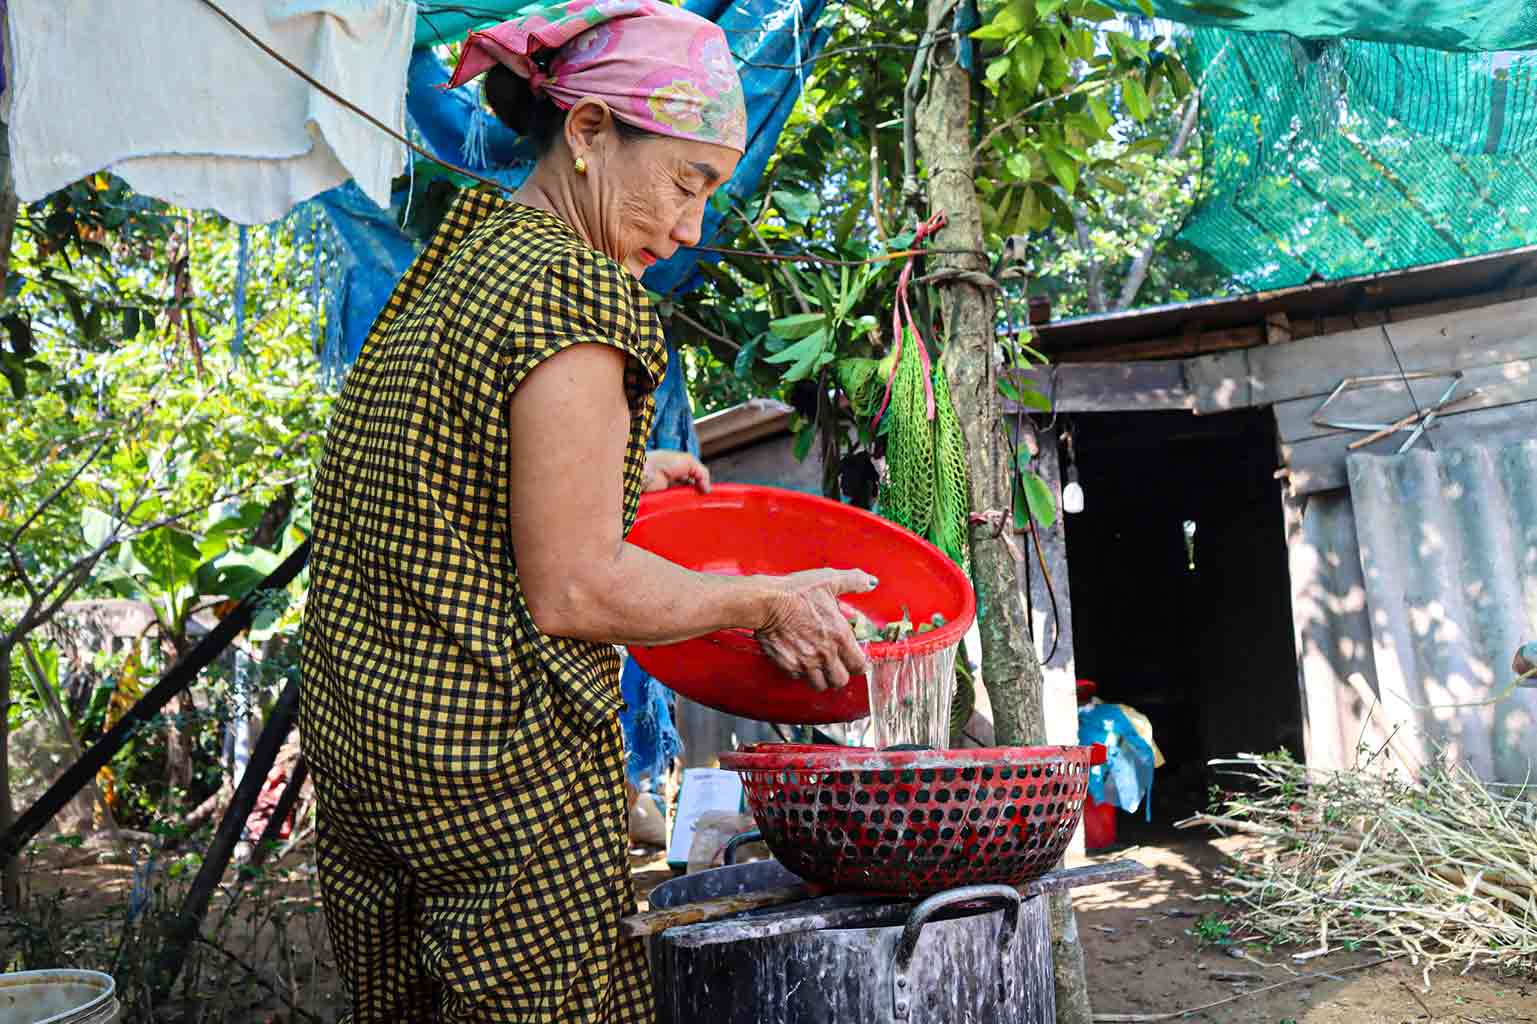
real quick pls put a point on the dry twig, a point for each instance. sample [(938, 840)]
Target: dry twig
[(1439, 869)]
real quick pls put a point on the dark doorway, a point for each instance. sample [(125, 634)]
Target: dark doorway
[(1180, 593)]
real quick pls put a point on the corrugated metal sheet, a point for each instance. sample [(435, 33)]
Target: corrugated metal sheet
[(1414, 588)]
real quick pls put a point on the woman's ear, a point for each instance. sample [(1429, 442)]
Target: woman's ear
[(586, 123)]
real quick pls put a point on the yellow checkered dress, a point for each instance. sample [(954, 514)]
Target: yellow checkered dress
[(470, 770)]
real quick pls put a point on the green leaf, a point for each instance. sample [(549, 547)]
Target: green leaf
[(1101, 112), (996, 69), (803, 440), (1008, 389), (1146, 6), (236, 573), (797, 326), (96, 526), (1153, 144), (806, 356), (848, 222), (172, 557), (1112, 185), (1032, 215), (1135, 95), (1046, 8), (1095, 12), (994, 31), (1018, 164), (1038, 497), (797, 207), (1064, 167), (1033, 398), (1029, 59), (744, 359)]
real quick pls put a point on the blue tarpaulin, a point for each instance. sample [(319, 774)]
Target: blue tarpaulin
[(773, 40)]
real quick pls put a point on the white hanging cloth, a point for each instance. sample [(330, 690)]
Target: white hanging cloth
[(172, 99)]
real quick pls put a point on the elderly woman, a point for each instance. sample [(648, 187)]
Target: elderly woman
[(471, 576)]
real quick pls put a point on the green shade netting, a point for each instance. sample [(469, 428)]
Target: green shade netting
[(1473, 25), (1345, 138), (1343, 157), (444, 21)]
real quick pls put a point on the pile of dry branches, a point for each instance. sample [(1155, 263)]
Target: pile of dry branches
[(1440, 869)]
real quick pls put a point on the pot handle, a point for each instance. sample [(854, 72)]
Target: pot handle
[(736, 842), (992, 896)]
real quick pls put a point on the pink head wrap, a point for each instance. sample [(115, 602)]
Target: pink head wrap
[(658, 67)]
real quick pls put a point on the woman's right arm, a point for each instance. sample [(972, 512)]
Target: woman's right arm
[(569, 427)]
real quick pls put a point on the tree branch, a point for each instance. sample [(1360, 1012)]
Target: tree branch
[(789, 279), (1136, 276), (75, 573), (912, 188), (1010, 122), (702, 329), (1094, 274), (59, 490), (257, 977)]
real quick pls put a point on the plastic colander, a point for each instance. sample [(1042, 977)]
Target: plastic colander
[(913, 823)]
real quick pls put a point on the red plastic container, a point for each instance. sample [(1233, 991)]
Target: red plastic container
[(1098, 824), (743, 530), (912, 823)]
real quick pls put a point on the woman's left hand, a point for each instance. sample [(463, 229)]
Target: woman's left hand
[(671, 469)]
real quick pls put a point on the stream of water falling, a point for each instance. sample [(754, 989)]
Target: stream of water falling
[(910, 698)]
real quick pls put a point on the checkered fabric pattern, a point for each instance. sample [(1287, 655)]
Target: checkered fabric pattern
[(470, 770)]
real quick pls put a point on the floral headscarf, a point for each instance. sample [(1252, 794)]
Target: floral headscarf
[(658, 67)]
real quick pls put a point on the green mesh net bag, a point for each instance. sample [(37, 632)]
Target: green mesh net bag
[(926, 488)]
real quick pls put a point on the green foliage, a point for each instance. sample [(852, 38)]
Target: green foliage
[(1211, 930), (142, 457), (1075, 108)]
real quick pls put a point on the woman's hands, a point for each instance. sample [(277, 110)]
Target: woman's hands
[(672, 469), (806, 633)]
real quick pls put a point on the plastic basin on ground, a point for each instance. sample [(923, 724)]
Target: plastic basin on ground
[(58, 997)]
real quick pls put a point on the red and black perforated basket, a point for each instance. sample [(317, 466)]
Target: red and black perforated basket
[(913, 823)]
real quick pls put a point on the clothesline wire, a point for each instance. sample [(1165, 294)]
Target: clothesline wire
[(806, 257), (348, 104), (424, 154)]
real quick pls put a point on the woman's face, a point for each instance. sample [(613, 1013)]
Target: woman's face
[(643, 199)]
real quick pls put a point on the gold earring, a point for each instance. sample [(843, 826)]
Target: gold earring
[(581, 165)]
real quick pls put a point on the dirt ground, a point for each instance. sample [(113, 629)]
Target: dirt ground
[(1142, 955)]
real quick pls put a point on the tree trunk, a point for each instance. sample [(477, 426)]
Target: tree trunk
[(10, 884), (179, 734), (1011, 671), (1093, 273), (1136, 276)]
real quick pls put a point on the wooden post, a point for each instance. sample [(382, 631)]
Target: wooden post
[(181, 931), (1011, 671)]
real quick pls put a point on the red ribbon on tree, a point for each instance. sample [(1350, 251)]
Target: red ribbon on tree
[(902, 315)]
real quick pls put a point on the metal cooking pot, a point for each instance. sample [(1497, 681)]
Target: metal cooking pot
[(974, 955)]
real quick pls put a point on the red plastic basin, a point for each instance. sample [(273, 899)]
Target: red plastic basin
[(741, 530)]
